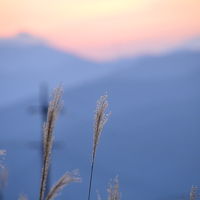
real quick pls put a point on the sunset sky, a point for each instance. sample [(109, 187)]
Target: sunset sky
[(103, 29)]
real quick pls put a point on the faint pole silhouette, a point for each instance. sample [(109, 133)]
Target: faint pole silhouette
[(42, 110)]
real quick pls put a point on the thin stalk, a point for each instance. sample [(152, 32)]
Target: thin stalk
[(91, 177), (100, 120), (53, 109)]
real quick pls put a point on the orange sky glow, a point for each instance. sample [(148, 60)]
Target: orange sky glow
[(103, 29)]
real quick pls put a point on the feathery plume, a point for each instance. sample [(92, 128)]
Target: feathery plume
[(53, 109), (66, 179), (3, 177), (113, 190), (99, 121), (194, 193), (2, 152), (98, 196), (22, 197)]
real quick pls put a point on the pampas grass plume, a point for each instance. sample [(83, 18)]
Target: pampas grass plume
[(113, 190), (53, 109), (66, 179), (194, 193), (100, 120), (22, 197)]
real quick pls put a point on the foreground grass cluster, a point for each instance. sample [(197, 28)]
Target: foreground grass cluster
[(100, 119), (48, 136)]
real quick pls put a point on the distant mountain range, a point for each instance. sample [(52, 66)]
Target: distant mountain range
[(26, 62), (151, 140)]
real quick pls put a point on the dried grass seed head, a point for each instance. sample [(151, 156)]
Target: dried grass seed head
[(23, 197), (53, 109), (66, 179), (101, 117), (113, 190), (195, 193)]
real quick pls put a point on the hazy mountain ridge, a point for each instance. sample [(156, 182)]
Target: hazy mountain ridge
[(25, 62)]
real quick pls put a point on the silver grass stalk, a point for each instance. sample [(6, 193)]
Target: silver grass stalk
[(53, 109), (98, 196), (113, 190), (66, 179), (22, 197), (194, 193), (100, 120), (2, 152), (3, 176)]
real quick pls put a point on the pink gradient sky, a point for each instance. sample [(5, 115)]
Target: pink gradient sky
[(103, 29)]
